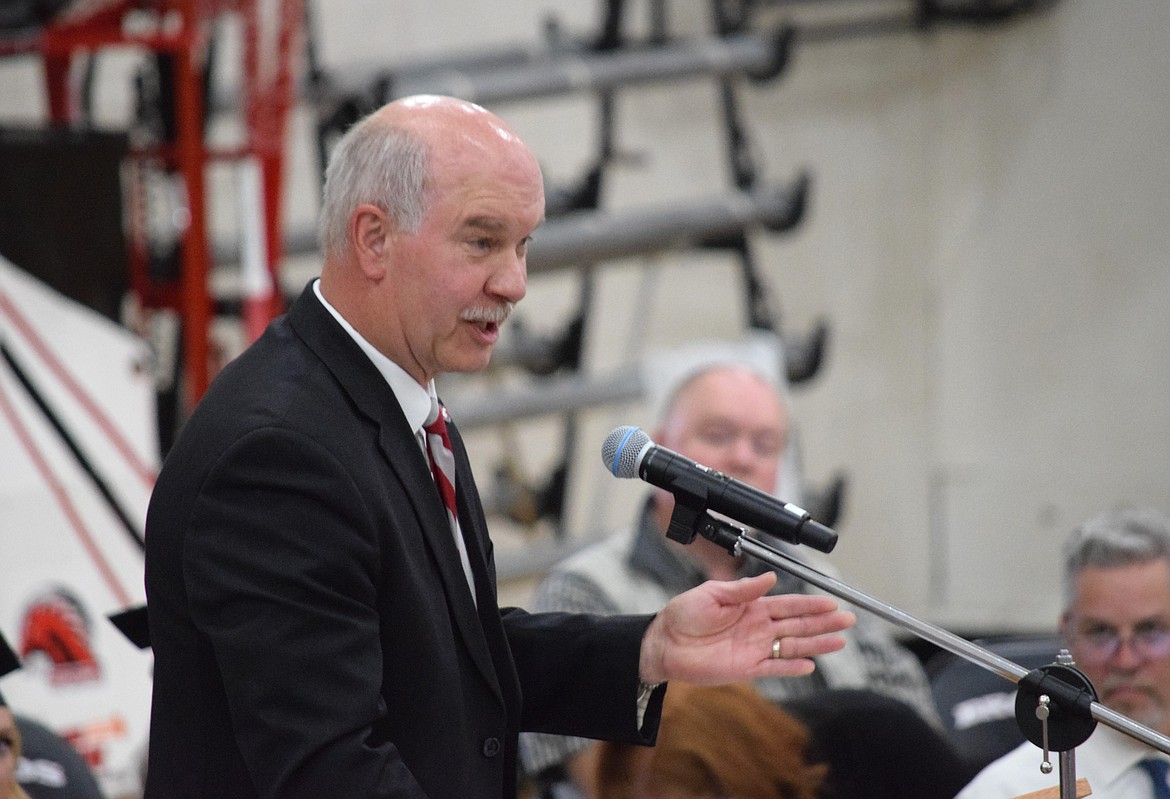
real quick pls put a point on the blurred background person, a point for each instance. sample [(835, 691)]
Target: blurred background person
[(731, 742), (45, 765), (727, 415), (51, 768), (1116, 625), (715, 742), (9, 754)]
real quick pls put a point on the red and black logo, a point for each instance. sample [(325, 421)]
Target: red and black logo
[(57, 630)]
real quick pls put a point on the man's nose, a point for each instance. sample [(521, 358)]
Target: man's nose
[(509, 281), (744, 456), (1127, 655)]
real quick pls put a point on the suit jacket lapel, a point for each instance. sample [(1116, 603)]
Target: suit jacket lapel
[(474, 527), (478, 543), (373, 397)]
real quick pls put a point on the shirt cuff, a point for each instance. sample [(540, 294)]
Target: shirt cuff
[(645, 691)]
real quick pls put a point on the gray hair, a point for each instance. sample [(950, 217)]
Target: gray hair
[(377, 164), (689, 378), (1116, 538)]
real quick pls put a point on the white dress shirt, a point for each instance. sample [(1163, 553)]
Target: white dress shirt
[(1109, 760), (419, 405)]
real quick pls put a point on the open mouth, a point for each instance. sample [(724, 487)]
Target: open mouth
[(488, 320)]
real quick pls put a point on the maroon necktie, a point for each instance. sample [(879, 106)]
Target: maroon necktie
[(442, 460)]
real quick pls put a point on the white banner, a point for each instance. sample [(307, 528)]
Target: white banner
[(78, 457)]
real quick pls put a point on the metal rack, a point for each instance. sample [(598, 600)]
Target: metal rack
[(179, 35)]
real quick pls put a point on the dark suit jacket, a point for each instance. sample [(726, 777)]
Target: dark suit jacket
[(313, 632)]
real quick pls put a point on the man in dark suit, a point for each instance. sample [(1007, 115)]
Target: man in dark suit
[(321, 626)]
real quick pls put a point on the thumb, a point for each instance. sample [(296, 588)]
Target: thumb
[(745, 589)]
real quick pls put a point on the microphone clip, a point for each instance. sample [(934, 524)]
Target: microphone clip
[(685, 522), (691, 518), (690, 508)]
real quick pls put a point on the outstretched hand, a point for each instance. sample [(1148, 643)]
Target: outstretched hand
[(724, 632)]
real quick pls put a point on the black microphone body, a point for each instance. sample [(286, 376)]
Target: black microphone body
[(629, 452)]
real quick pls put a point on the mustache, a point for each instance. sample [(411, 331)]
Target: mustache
[(489, 313), (1114, 682)]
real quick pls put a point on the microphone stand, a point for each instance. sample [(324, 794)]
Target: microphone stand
[(1056, 705)]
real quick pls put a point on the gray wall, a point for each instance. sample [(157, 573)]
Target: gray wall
[(987, 240)]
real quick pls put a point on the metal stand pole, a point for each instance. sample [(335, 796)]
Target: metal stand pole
[(1068, 774)]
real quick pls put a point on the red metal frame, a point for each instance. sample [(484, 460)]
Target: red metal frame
[(183, 28)]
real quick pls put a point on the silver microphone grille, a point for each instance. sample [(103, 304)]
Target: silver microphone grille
[(622, 450)]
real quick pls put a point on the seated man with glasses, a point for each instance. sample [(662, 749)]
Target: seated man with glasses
[(1116, 625)]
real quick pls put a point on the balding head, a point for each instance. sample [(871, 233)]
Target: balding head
[(390, 159)]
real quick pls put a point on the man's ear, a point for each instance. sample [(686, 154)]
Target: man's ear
[(369, 232)]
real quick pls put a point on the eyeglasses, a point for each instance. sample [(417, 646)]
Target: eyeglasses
[(1100, 644), (766, 445)]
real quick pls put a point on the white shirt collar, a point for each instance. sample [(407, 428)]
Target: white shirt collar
[(417, 402), (1111, 755), (419, 405)]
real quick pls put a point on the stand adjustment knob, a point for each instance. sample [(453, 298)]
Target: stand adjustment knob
[(1053, 708)]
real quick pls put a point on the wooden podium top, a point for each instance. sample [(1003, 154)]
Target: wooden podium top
[(1054, 792)]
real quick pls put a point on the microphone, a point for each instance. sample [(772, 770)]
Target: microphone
[(629, 452)]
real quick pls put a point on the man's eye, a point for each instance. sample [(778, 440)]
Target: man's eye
[(1100, 637), (1150, 627), (767, 446), (716, 438)]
